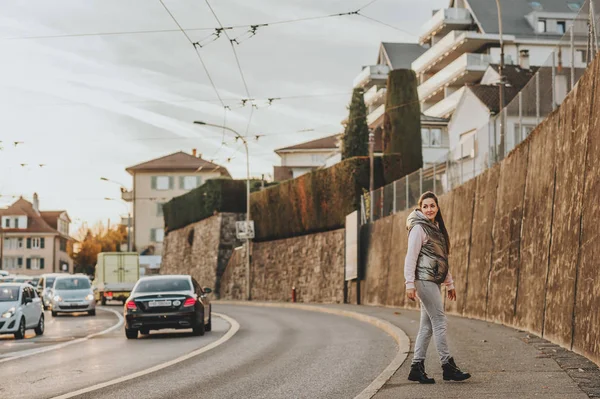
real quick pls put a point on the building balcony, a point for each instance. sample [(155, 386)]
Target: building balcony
[(468, 68), (375, 96), (371, 75), (451, 47), (376, 116), (127, 196), (444, 21), (447, 106)]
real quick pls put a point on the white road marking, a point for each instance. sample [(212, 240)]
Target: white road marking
[(7, 357), (394, 331), (235, 326)]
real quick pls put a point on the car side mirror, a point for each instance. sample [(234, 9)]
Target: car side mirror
[(28, 300), (207, 290)]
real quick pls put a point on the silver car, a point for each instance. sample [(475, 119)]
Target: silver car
[(20, 310), (44, 288), (71, 294)]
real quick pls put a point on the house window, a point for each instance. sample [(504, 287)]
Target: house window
[(161, 183), (317, 159), (541, 25), (582, 55), (16, 223), (35, 263), (431, 137), (12, 263), (7, 223), (159, 209), (36, 243), (561, 27), (63, 245), (190, 182), (157, 235), (425, 137)]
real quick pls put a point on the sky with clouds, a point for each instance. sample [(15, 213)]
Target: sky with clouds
[(87, 90)]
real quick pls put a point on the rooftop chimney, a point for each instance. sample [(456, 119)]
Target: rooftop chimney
[(524, 59), (36, 203), (194, 152)]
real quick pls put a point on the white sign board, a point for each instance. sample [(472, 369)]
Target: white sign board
[(244, 230), (352, 226)]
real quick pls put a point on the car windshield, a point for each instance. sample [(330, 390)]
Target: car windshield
[(8, 294), (163, 285), (50, 281), (74, 283)]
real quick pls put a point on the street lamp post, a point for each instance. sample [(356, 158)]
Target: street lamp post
[(501, 88), (245, 142), (123, 190), (128, 221)]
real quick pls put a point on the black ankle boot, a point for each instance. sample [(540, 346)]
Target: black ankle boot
[(417, 373), (453, 373)]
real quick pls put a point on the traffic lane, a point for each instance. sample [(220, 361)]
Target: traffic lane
[(277, 353), (98, 359), (63, 328)]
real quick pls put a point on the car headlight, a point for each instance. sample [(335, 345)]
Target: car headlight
[(90, 297), (9, 313), (57, 298)]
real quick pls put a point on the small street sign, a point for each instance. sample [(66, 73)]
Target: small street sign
[(244, 230)]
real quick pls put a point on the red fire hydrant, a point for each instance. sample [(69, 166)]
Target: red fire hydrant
[(293, 294)]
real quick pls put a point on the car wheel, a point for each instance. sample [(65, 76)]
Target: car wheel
[(54, 313), (209, 325), (20, 333), (200, 328), (144, 331), (39, 330), (131, 333), (92, 312)]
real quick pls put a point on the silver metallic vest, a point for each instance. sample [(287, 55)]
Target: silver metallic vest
[(432, 263)]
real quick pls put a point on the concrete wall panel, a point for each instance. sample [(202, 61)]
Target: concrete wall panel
[(481, 242), (506, 235)]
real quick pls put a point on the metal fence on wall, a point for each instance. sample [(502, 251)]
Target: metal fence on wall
[(489, 144)]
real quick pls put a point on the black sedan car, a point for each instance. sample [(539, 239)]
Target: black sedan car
[(160, 302)]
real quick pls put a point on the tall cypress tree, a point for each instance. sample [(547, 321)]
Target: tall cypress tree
[(402, 122), (355, 141)]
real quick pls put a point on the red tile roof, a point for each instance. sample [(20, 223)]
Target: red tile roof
[(35, 222)]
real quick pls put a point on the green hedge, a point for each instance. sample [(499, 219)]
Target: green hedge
[(216, 195), (318, 201)]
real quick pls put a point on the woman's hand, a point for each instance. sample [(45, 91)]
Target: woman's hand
[(411, 294), (452, 295)]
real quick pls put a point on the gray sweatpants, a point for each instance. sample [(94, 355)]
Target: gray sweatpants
[(433, 321)]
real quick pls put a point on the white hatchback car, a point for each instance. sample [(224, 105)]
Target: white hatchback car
[(20, 310)]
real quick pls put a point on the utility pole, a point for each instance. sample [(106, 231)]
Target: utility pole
[(371, 160), (501, 87)]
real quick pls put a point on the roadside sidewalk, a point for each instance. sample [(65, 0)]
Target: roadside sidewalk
[(504, 363)]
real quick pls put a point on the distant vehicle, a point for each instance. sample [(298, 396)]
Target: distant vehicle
[(72, 293), (160, 302), (31, 280), (44, 287), (116, 275), (20, 310)]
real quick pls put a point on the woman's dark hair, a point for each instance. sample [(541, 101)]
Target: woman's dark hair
[(438, 218)]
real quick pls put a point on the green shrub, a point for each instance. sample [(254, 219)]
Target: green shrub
[(317, 201), (216, 195)]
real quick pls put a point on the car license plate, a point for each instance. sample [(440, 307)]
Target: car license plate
[(154, 304)]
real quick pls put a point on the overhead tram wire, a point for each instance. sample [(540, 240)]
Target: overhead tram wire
[(195, 50)]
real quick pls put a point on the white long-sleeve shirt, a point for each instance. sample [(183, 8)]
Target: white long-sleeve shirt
[(416, 239)]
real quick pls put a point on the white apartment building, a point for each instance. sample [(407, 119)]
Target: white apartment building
[(156, 182), (463, 40)]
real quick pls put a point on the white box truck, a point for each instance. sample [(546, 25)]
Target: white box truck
[(116, 274)]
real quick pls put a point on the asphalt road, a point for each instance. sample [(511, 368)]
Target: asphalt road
[(277, 353)]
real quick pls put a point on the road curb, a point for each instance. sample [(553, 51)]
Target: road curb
[(395, 332)]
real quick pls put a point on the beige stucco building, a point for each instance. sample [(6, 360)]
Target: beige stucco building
[(156, 182), (33, 241)]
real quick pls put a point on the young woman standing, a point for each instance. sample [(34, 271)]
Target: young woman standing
[(425, 269)]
